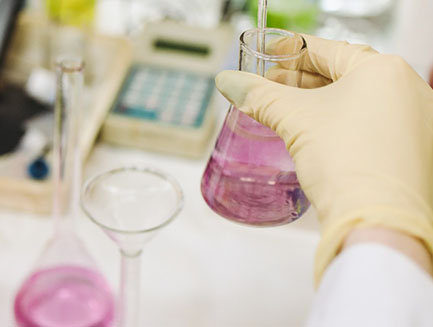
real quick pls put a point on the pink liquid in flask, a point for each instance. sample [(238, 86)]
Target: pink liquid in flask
[(64, 296), (250, 177)]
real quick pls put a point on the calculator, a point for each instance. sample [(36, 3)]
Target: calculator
[(167, 101)]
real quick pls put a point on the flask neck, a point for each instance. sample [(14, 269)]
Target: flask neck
[(258, 52), (66, 149)]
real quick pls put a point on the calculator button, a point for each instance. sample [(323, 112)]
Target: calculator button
[(131, 99), (198, 91), (174, 95), (135, 86), (151, 102), (145, 114), (156, 91), (166, 116), (189, 117), (196, 97), (190, 113), (188, 120), (158, 82), (170, 106), (148, 110), (192, 108)]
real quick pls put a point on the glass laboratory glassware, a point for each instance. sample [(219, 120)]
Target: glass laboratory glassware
[(66, 289), (131, 204), (250, 177)]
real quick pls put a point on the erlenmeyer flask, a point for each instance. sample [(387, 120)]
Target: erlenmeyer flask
[(66, 289), (250, 177)]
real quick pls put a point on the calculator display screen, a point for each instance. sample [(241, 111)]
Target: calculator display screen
[(176, 46)]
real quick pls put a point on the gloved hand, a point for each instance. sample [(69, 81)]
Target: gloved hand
[(361, 137)]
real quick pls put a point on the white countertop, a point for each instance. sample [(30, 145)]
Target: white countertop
[(201, 270)]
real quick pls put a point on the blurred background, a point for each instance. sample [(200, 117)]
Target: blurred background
[(149, 98), (130, 44)]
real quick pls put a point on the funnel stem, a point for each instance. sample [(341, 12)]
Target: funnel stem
[(129, 290)]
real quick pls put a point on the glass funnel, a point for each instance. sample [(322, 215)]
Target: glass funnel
[(250, 177), (66, 289), (130, 205)]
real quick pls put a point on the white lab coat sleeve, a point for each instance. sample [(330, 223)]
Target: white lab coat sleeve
[(373, 285)]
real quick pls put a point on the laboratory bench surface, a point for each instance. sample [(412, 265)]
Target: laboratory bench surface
[(201, 270)]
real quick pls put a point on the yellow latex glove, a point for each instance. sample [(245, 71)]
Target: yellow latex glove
[(362, 142)]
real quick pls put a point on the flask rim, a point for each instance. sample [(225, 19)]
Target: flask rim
[(268, 57)]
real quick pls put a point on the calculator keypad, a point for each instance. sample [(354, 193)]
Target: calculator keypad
[(167, 96)]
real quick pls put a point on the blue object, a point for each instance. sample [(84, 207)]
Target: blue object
[(38, 169)]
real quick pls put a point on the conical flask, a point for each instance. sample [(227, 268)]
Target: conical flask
[(250, 177), (65, 289)]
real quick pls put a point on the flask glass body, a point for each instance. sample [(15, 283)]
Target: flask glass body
[(250, 177), (65, 289)]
